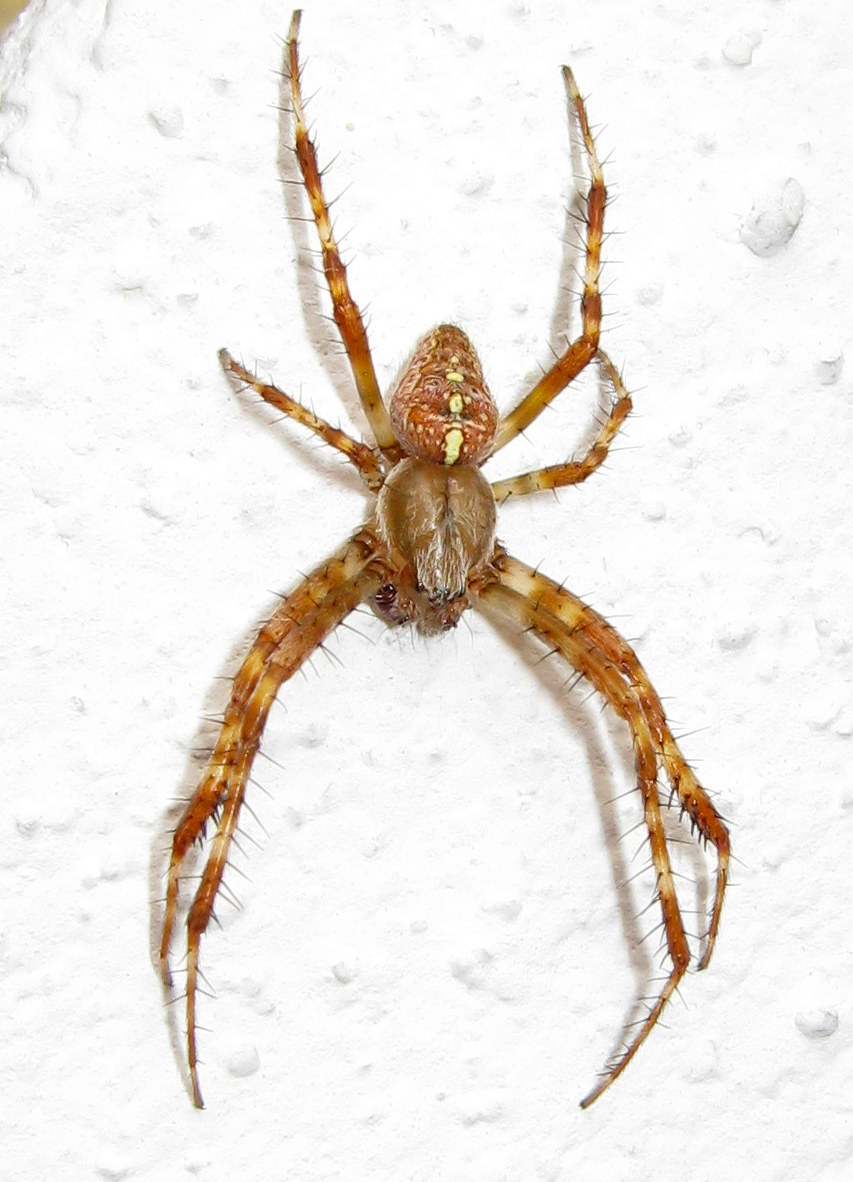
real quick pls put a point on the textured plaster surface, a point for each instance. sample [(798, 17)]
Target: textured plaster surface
[(434, 952)]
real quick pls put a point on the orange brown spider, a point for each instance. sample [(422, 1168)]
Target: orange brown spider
[(427, 554)]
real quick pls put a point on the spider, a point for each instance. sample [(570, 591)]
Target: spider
[(428, 553)]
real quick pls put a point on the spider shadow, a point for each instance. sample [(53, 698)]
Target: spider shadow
[(566, 307), (564, 325), (158, 859), (327, 464), (608, 784)]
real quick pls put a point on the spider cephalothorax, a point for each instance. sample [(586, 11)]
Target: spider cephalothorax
[(425, 555)]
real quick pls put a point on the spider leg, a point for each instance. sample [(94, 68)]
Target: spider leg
[(596, 650), (363, 457), (346, 313), (300, 624), (603, 637), (575, 471), (579, 354)]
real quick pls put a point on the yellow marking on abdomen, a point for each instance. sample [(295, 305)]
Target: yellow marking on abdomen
[(453, 445)]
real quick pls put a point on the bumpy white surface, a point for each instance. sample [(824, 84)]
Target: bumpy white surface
[(434, 954)]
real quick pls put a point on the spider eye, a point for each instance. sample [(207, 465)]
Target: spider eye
[(443, 595), (442, 411)]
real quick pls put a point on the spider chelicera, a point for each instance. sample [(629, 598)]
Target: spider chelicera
[(428, 553)]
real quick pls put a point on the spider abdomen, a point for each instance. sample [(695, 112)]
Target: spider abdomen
[(442, 411)]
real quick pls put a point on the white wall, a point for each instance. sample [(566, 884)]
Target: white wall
[(437, 825)]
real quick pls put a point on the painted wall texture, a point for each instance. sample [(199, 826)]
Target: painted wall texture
[(442, 921)]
